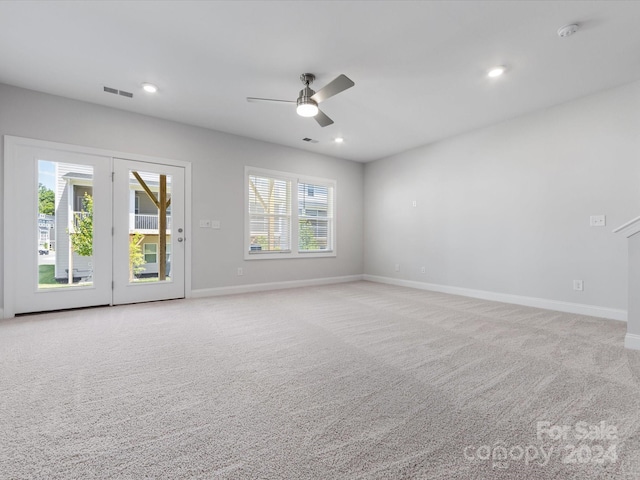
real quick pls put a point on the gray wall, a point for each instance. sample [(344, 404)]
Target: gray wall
[(503, 209), (218, 161), (506, 208)]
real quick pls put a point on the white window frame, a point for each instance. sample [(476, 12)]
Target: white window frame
[(295, 179)]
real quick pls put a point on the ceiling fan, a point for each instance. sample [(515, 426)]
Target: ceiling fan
[(308, 99)]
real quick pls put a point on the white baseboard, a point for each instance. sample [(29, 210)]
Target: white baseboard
[(578, 308), (262, 287), (632, 341)]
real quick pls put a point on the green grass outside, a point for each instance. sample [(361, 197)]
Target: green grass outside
[(148, 279), (47, 280), (46, 275)]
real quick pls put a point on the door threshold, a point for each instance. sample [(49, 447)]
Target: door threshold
[(24, 314)]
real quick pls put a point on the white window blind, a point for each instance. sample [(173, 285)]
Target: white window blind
[(315, 217), (269, 214), (288, 216)]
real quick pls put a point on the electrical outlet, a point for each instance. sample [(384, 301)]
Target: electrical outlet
[(215, 224), (578, 285), (205, 223), (240, 271), (415, 203), (397, 267), (423, 270), (597, 220)]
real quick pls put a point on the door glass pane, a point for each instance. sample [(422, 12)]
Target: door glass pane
[(149, 227), (65, 225)]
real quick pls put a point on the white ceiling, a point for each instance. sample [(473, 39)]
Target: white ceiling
[(419, 67)]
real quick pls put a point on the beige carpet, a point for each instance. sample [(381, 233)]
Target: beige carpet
[(346, 381)]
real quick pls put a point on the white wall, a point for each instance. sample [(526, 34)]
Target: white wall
[(218, 161), (506, 209)]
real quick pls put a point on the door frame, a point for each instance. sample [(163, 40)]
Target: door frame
[(11, 144)]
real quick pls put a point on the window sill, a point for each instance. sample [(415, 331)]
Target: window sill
[(259, 255)]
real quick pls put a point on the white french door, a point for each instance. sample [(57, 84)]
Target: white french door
[(86, 229), (51, 264), (149, 239)]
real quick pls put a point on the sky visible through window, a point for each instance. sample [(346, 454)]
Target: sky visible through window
[(46, 174)]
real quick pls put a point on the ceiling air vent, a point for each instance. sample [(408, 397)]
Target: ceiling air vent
[(309, 140), (115, 91)]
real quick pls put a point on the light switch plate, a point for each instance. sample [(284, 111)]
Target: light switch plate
[(205, 223), (597, 220)]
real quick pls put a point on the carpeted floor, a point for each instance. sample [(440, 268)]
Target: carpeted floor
[(346, 381)]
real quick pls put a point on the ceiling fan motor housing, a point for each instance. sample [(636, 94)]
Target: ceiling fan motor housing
[(304, 97), (305, 94)]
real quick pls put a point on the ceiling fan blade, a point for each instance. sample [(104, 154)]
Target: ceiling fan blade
[(272, 100), (337, 85), (322, 119)]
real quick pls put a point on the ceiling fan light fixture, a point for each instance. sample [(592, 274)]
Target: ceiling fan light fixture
[(307, 107)]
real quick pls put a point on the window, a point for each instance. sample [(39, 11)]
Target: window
[(269, 214), (288, 216), (150, 251), (314, 219)]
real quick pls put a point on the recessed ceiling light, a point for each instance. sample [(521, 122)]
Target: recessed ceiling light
[(496, 71), (338, 140), (149, 87)]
